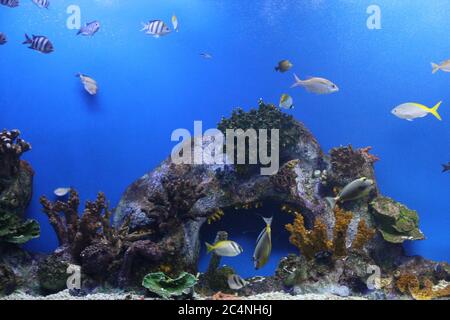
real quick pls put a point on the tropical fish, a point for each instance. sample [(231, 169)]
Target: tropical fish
[(10, 3), (90, 85), (286, 101), (444, 66), (235, 282), (61, 192), (283, 66), (410, 111), (206, 55), (3, 39), (89, 29), (225, 248), (446, 167), (175, 23), (263, 245), (316, 85), (39, 43), (356, 189), (156, 28), (42, 3)]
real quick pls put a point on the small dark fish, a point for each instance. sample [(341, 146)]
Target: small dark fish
[(283, 66), (39, 43), (10, 3), (206, 55), (446, 167), (89, 29), (42, 3), (3, 39)]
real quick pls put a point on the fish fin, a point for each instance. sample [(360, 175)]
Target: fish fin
[(445, 168), (209, 247), (434, 111), (435, 67), (268, 221), (331, 202), (298, 82), (277, 69), (27, 39), (79, 32), (261, 235), (156, 36)]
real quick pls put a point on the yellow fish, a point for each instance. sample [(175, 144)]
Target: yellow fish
[(225, 248), (263, 245), (410, 111), (444, 66), (175, 23)]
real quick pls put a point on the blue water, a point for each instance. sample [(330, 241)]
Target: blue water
[(149, 87)]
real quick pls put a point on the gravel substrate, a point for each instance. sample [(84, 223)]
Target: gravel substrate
[(65, 295)]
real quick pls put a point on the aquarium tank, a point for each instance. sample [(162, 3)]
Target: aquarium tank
[(224, 150)]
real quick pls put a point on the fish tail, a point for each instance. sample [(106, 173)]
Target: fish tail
[(298, 82), (144, 26), (445, 168), (268, 221), (434, 111), (27, 39), (435, 67), (209, 247), (331, 202)]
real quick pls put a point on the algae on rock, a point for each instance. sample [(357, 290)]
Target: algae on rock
[(395, 221)]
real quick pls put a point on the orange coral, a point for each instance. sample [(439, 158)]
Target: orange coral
[(311, 242), (366, 154), (343, 219), (410, 284), (363, 235)]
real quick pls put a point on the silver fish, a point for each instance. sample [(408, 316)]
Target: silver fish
[(156, 28), (90, 85), (263, 245), (61, 192), (42, 3), (354, 190), (235, 282), (89, 29), (10, 3), (3, 39), (316, 85), (206, 55), (39, 43)]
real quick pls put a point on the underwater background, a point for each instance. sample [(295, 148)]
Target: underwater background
[(149, 87)]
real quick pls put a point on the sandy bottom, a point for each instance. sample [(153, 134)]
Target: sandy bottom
[(65, 295)]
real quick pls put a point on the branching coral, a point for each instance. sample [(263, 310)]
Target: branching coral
[(312, 242), (77, 233), (421, 290), (363, 235)]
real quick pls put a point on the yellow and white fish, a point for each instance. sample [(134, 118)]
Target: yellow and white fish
[(263, 245), (90, 85), (410, 111), (286, 102), (225, 248), (175, 23), (316, 85), (444, 66)]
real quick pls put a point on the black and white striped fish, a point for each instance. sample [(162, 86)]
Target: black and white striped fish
[(235, 282), (3, 39), (39, 43), (156, 28), (10, 3), (89, 29), (42, 3)]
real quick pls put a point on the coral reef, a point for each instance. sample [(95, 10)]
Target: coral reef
[(166, 287), (16, 181), (313, 242), (8, 281), (421, 289), (395, 221)]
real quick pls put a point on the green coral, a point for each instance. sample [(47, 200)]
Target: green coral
[(395, 221), (166, 287), (267, 116), (14, 230)]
